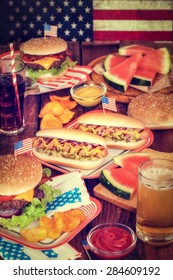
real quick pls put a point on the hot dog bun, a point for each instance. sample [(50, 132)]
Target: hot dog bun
[(77, 164), (71, 134), (68, 147), (110, 119), (105, 124)]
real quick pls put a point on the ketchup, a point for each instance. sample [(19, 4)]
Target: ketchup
[(111, 239)]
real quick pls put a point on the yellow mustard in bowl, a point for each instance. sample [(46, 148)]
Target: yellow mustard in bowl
[(88, 94)]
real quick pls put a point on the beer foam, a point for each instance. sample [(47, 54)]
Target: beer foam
[(158, 177)]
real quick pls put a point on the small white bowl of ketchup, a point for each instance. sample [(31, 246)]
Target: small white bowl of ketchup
[(111, 241), (89, 93)]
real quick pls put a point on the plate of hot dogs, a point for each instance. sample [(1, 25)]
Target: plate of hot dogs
[(90, 142)]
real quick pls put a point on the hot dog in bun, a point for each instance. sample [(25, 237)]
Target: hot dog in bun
[(68, 147), (119, 131)]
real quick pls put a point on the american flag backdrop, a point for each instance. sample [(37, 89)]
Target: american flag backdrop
[(87, 20), (149, 20)]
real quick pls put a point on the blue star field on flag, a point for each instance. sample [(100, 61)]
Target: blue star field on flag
[(22, 19)]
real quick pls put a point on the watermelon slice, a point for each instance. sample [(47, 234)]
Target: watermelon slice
[(119, 77), (119, 181), (143, 77), (158, 61), (112, 60), (131, 161), (134, 49)]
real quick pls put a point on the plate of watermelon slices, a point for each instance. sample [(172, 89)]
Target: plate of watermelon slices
[(134, 69)]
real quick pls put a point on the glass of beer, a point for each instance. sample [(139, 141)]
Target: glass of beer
[(154, 223), (11, 98)]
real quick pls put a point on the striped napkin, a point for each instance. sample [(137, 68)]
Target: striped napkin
[(71, 78)]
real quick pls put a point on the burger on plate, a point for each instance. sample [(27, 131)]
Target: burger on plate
[(46, 57), (22, 198)]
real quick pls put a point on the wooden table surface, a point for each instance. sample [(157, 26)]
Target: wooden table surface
[(163, 141)]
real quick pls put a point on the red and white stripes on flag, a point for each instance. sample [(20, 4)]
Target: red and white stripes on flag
[(133, 20), (109, 103), (23, 147), (71, 78)]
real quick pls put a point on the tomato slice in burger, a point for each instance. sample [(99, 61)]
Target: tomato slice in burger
[(4, 198)]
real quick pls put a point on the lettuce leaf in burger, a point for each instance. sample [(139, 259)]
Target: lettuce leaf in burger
[(46, 58), (24, 192)]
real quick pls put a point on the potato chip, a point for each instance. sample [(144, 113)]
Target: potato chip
[(55, 226), (70, 219), (50, 121), (54, 229), (34, 234), (59, 98), (66, 116), (53, 107), (64, 100), (69, 104), (78, 213), (57, 112), (69, 223)]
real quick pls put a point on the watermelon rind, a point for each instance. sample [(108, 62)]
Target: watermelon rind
[(112, 60), (119, 77), (115, 82), (133, 49), (106, 182), (151, 61), (167, 64), (143, 77), (113, 186), (140, 81)]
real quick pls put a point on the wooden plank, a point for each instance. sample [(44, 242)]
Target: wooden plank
[(74, 48), (93, 50)]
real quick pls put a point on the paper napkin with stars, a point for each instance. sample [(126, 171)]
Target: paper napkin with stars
[(14, 251), (74, 193)]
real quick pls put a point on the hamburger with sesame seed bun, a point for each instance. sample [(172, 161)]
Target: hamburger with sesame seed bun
[(22, 194), (154, 109), (46, 58)]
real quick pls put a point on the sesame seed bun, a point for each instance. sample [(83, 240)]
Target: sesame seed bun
[(44, 46), (19, 174), (110, 119), (153, 109)]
